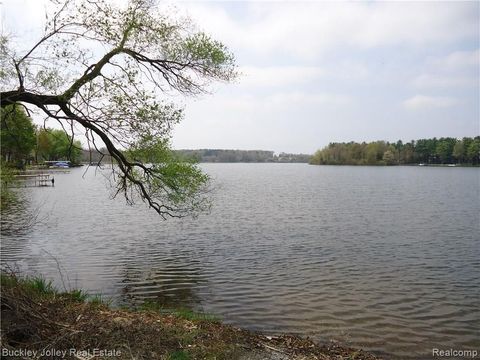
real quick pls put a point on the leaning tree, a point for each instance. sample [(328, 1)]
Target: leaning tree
[(107, 71)]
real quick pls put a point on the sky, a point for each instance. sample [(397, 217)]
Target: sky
[(319, 72)]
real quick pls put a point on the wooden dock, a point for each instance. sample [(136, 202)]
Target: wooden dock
[(33, 180)]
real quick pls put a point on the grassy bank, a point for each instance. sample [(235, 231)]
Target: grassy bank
[(40, 322)]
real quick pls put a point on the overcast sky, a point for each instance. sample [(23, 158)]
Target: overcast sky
[(320, 72)]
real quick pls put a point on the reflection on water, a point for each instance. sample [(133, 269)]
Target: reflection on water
[(17, 216), (385, 258), (168, 282)]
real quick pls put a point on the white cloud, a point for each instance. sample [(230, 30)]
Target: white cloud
[(278, 75), (444, 81), (457, 69), (292, 99), (423, 102), (270, 104), (347, 69), (458, 60), (254, 77), (309, 29)]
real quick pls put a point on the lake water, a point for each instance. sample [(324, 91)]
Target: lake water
[(383, 258)]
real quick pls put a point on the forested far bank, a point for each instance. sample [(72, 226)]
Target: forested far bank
[(23, 142), (445, 150), (228, 156)]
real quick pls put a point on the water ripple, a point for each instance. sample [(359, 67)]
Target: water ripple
[(382, 258)]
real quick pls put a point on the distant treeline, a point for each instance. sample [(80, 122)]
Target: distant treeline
[(220, 155), (94, 156), (424, 151)]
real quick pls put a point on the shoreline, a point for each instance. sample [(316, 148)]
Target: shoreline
[(39, 321)]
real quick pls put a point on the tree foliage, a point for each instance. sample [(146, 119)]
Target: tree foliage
[(55, 144), (17, 134), (427, 151), (105, 71)]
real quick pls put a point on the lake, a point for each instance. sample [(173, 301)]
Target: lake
[(383, 258)]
